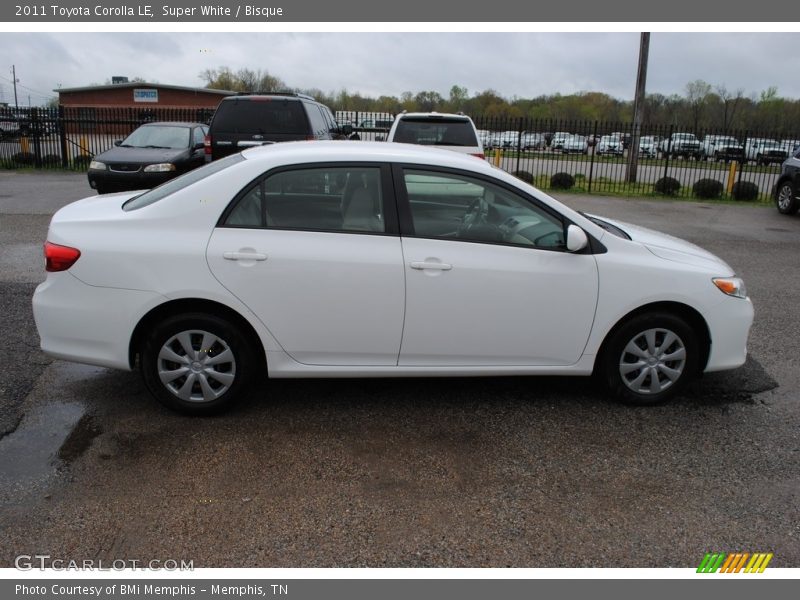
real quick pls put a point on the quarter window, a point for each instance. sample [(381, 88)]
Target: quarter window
[(199, 136), (464, 208), (328, 199), (318, 127)]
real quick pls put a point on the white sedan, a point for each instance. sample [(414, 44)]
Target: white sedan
[(577, 144), (359, 259)]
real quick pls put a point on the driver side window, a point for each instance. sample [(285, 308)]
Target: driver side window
[(450, 206)]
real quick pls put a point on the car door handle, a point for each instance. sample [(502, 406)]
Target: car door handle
[(433, 266), (244, 256)]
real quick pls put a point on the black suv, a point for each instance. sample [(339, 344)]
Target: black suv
[(787, 190), (243, 121)]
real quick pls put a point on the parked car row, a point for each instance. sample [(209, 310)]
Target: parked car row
[(158, 151)]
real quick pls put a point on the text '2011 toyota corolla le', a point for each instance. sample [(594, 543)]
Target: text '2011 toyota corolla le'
[(343, 259)]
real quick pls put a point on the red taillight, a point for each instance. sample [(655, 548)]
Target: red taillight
[(207, 144), (59, 258), (479, 155)]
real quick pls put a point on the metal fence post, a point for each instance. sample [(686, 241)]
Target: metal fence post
[(744, 158), (519, 141), (62, 137), (669, 150), (33, 114), (591, 159)]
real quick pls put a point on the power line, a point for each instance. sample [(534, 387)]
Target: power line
[(37, 92)]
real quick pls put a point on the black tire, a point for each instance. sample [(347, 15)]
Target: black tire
[(786, 198), (230, 379), (614, 356)]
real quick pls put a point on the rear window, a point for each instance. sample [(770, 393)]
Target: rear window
[(260, 116), (185, 180), (436, 132)]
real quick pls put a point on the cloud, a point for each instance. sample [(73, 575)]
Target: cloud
[(513, 64)]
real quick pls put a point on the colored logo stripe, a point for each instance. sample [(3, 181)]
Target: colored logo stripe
[(734, 563)]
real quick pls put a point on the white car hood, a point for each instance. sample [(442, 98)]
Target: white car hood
[(673, 248)]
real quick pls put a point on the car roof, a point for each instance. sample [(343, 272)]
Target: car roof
[(287, 153), (174, 124), (432, 115)]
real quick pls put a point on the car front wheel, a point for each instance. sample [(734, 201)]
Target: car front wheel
[(650, 358), (786, 198), (198, 364)]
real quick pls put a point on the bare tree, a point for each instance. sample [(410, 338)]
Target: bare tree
[(730, 103), (697, 93)]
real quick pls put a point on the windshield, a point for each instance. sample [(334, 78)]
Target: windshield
[(185, 180), (158, 136)]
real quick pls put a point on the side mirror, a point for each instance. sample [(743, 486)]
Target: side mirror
[(346, 129), (576, 239), (117, 142)]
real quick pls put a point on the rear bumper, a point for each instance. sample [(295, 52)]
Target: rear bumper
[(87, 324)]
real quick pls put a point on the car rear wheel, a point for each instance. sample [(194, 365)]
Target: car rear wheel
[(650, 358), (198, 364), (786, 198)]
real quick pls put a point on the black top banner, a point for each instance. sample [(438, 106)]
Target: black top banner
[(418, 11)]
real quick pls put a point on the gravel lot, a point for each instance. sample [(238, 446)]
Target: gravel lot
[(527, 472)]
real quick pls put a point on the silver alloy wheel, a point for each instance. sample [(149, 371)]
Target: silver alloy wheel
[(785, 196), (652, 361), (196, 366)]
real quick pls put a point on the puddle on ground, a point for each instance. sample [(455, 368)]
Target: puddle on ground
[(48, 438), (735, 386)]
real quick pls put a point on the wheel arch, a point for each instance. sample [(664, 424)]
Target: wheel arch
[(692, 317), (188, 305), (781, 180)]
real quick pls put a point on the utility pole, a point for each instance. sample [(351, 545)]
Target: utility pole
[(14, 78), (638, 109)]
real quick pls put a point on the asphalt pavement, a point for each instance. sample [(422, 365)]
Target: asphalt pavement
[(524, 472)]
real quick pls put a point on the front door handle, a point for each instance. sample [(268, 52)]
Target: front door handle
[(244, 256), (433, 266)]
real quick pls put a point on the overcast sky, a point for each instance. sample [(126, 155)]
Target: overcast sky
[(514, 64)]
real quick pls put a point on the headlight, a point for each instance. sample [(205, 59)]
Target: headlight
[(97, 165), (732, 286), (159, 168)]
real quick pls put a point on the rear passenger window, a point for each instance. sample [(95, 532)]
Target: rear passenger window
[(345, 199), (318, 127)]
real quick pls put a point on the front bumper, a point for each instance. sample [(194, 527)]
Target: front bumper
[(118, 181), (729, 325)]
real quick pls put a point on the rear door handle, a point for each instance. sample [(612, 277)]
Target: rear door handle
[(244, 256), (433, 266)]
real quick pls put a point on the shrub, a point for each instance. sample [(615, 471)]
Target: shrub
[(562, 181), (667, 186), (707, 188), (524, 176), (51, 160), (744, 190), (24, 158), (82, 161)]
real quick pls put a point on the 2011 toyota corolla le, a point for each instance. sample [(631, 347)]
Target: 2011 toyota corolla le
[(351, 259)]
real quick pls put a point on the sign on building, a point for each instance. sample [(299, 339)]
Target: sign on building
[(145, 95)]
